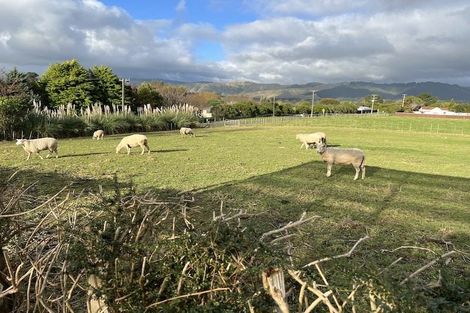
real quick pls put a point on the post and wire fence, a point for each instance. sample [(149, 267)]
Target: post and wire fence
[(357, 121)]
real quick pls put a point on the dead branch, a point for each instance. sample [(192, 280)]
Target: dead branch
[(408, 247), (297, 223), (273, 283), (322, 297), (185, 296), (445, 255), (317, 266), (180, 282), (391, 264), (345, 255), (36, 208)]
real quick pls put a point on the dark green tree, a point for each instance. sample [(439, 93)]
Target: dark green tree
[(329, 102), (15, 83), (427, 98), (303, 107), (147, 94), (246, 109), (68, 82), (107, 87), (16, 90)]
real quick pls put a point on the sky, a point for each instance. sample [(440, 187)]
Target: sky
[(265, 41)]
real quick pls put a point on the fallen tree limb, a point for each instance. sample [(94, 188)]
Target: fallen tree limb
[(445, 255), (297, 223), (185, 296), (345, 255)]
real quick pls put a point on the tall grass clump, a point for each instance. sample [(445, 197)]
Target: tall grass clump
[(168, 118), (67, 121)]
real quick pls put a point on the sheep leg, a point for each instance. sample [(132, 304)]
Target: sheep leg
[(39, 155), (143, 149), (148, 148), (363, 171), (29, 155), (358, 169), (128, 150), (328, 169)]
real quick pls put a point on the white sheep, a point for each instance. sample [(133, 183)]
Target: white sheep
[(133, 141), (99, 134), (37, 145), (186, 131), (352, 156), (309, 139)]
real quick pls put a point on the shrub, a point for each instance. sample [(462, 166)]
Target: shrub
[(12, 110)]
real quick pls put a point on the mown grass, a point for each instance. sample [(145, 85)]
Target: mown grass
[(416, 192), (366, 121)]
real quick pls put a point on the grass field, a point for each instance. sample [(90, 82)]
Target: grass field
[(416, 191)]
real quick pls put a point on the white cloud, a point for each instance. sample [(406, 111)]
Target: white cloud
[(292, 42), (181, 6), (419, 44), (37, 33)]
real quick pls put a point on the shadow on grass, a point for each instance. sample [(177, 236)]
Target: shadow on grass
[(49, 183), (82, 154), (395, 208), (170, 150)]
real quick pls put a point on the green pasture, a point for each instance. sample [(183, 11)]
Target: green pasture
[(416, 191)]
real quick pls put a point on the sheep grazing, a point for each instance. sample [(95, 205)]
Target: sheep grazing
[(186, 131), (37, 145), (352, 156), (133, 141), (99, 134), (311, 139)]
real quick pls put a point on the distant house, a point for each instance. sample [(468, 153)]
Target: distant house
[(364, 109), (437, 111), (206, 114)]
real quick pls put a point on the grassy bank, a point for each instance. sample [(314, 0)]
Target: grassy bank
[(415, 192)]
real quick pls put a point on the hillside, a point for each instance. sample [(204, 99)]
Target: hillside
[(346, 90)]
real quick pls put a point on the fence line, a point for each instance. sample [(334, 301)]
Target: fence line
[(360, 121)]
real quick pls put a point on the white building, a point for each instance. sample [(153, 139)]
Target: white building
[(438, 111)]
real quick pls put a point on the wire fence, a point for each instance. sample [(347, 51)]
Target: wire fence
[(358, 121)]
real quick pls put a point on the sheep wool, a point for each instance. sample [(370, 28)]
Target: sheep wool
[(99, 134), (353, 156), (186, 131), (132, 141), (309, 139), (37, 145)]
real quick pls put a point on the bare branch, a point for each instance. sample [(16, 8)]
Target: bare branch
[(36, 208), (185, 296), (289, 225), (345, 255), (409, 247), (427, 266)]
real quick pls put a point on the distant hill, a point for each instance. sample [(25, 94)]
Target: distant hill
[(344, 90)]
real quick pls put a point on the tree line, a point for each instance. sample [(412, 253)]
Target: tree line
[(69, 83)]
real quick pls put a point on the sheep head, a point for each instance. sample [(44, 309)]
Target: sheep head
[(20, 142), (321, 147)]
